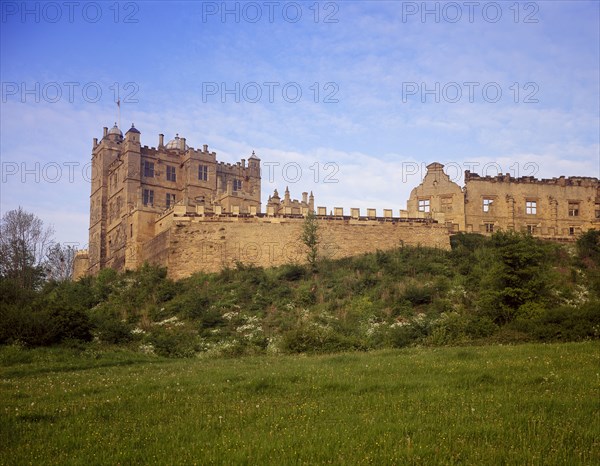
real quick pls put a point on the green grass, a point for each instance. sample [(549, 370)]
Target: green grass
[(527, 404)]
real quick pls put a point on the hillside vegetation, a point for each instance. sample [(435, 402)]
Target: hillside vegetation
[(500, 289)]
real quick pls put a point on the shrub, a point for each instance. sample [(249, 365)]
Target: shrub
[(43, 327), (291, 272), (563, 323), (407, 335), (113, 330), (314, 339), (173, 344), (450, 328), (480, 327), (418, 295)]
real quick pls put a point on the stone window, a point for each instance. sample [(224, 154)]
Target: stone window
[(487, 203), (531, 207), (571, 231), (597, 209), (170, 200), (446, 204), (489, 228), (203, 172), (573, 209), (237, 185), (424, 205), (148, 197), (148, 169), (171, 173), (531, 229)]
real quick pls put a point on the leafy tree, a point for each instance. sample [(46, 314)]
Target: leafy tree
[(23, 244), (588, 258), (512, 271), (588, 247), (310, 238)]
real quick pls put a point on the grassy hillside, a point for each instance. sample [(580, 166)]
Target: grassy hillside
[(524, 404), (507, 288)]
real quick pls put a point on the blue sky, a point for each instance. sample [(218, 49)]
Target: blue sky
[(386, 88)]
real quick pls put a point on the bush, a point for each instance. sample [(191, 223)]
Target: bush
[(291, 272), (407, 335), (171, 344), (43, 327), (315, 339), (418, 295), (113, 330), (563, 323)]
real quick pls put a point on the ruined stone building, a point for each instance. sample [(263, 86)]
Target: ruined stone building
[(558, 208), (176, 206)]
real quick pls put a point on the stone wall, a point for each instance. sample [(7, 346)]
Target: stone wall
[(439, 198), (156, 251), (203, 244), (81, 264), (560, 208)]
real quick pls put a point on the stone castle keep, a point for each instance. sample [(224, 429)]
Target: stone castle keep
[(179, 207)]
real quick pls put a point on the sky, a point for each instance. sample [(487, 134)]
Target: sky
[(348, 99)]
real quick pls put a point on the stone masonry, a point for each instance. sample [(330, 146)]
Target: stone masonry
[(179, 207)]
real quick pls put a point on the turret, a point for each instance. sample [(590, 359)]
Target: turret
[(114, 134), (132, 135), (254, 164)]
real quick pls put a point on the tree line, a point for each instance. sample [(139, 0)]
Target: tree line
[(28, 254)]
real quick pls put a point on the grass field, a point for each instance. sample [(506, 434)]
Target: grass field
[(526, 404)]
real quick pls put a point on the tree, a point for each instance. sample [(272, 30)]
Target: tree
[(588, 258), (59, 262), (23, 244), (511, 270), (310, 238)]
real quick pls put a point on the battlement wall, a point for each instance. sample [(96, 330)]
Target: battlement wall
[(583, 181), (209, 244)]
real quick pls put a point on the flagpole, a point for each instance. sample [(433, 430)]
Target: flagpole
[(119, 110)]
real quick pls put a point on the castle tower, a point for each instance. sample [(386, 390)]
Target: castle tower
[(134, 186), (103, 155)]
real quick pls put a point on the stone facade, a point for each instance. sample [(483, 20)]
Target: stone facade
[(439, 198), (179, 207), (557, 208), (192, 243), (133, 184)]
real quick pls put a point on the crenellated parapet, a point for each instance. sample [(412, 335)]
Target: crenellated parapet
[(583, 181), (188, 242)]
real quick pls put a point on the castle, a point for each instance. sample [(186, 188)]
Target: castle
[(558, 208), (179, 207)]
